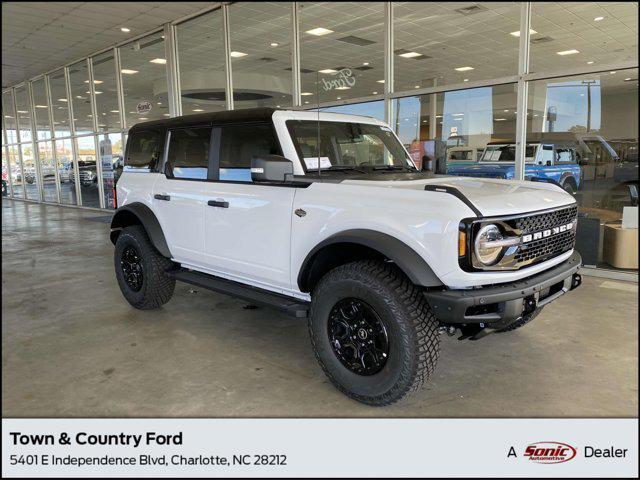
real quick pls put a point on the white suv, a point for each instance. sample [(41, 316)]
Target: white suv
[(326, 217)]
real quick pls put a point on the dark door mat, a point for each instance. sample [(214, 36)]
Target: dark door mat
[(100, 219)]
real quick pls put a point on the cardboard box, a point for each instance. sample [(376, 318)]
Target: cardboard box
[(620, 246)]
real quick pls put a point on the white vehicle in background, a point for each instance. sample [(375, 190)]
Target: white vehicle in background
[(325, 216)]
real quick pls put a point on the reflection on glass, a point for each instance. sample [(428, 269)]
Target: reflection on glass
[(369, 109), (6, 177), (47, 171), (64, 157), (111, 158), (29, 168), (342, 50), (144, 79), (202, 83), (8, 117), (104, 79), (41, 109), (81, 98), (15, 171), (59, 104), (24, 117), (87, 174), (444, 43), (589, 125), (261, 54)]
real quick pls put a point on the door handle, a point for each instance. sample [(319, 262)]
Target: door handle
[(218, 203), (163, 196)]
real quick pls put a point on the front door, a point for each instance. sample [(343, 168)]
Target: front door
[(247, 226)]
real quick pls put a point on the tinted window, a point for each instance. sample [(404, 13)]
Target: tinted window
[(239, 143), (143, 151), (188, 155)]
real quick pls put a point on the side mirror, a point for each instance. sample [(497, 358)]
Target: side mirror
[(271, 168)]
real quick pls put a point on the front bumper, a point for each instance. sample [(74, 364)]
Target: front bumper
[(500, 305)]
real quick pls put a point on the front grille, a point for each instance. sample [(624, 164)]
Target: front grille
[(545, 248)]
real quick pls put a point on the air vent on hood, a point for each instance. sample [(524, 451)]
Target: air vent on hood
[(356, 40), (471, 9)]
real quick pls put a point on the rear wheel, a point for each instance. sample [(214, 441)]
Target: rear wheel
[(372, 332), (141, 270)]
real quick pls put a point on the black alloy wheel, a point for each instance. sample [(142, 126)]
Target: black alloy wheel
[(132, 268), (358, 337)]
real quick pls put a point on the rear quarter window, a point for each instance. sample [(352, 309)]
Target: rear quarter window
[(144, 151)]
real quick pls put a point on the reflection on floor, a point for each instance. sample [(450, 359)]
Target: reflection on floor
[(71, 346)]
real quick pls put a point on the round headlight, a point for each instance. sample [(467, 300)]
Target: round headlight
[(485, 253)]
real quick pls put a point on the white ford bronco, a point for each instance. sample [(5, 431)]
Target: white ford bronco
[(325, 216)]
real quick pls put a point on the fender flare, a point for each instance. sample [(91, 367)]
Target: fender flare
[(407, 259), (146, 217), (566, 176)]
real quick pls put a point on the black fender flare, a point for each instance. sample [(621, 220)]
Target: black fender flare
[(407, 259), (146, 217)]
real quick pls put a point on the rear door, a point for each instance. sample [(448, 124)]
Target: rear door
[(247, 225), (178, 194)]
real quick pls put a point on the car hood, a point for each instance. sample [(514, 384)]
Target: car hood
[(492, 170), (491, 197)]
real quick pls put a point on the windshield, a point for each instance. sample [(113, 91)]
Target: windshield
[(347, 145), (506, 153)]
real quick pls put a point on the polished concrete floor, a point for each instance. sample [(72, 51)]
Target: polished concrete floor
[(72, 346)]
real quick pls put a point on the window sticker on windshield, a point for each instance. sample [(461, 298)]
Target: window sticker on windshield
[(312, 162)]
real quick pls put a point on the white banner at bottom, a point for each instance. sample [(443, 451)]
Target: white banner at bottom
[(320, 447)]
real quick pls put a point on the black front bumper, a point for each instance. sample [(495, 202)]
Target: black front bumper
[(498, 306)]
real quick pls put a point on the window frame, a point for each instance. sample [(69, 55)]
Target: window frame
[(159, 164), (210, 162)]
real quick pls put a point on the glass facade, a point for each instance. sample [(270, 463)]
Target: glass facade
[(498, 89)]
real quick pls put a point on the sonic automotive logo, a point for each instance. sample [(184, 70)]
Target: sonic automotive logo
[(549, 452)]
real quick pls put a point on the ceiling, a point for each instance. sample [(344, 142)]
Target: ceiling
[(39, 36)]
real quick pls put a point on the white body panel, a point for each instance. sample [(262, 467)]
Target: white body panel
[(259, 241)]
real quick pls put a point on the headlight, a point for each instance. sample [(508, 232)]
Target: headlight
[(486, 250)]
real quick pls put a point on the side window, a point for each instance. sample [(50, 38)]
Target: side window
[(188, 155), (565, 155), (547, 154), (238, 143), (143, 151)]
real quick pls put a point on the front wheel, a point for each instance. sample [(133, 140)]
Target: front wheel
[(141, 270), (372, 332)]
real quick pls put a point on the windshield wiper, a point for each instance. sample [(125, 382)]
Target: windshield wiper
[(392, 167), (342, 168)]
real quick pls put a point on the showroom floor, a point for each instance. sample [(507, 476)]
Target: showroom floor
[(71, 346)]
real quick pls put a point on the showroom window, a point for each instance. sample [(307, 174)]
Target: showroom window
[(261, 54), (24, 114), (47, 171), (87, 173), (9, 117), (30, 180), (81, 98), (41, 109), (64, 160), (444, 43), (202, 84), (144, 79), (59, 104), (112, 164), (104, 80), (341, 50), (596, 117)]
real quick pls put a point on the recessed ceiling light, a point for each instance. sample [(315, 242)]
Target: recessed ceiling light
[(198, 110), (590, 62), (142, 118), (573, 51), (517, 33), (304, 94), (535, 114), (274, 44), (62, 99), (374, 93), (612, 72), (416, 86), (125, 29), (380, 81), (41, 106), (238, 54), (366, 64), (159, 103), (165, 114), (598, 19), (318, 32), (160, 61), (306, 103), (500, 119), (114, 111), (96, 92), (463, 69), (626, 80), (97, 82), (465, 80), (410, 55), (128, 71), (328, 70), (339, 98), (344, 87), (457, 114)]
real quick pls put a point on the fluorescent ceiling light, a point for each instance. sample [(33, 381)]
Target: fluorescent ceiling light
[(500, 119), (198, 110), (517, 33), (96, 92), (22, 111), (366, 64), (159, 61), (598, 19), (114, 111), (612, 72), (142, 118), (465, 80), (238, 54), (410, 54), (380, 81), (573, 51), (328, 70), (128, 71), (463, 69), (344, 87), (306, 103), (41, 106), (318, 32), (626, 80), (304, 94), (506, 110), (374, 93), (97, 82), (62, 99), (165, 114), (339, 98), (274, 44), (416, 86), (590, 62), (125, 29)]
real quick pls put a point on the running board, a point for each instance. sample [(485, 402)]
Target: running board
[(292, 306)]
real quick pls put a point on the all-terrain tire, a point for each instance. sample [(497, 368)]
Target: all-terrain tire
[(522, 322), (156, 286), (412, 329)]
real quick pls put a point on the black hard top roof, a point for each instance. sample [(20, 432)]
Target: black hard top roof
[(228, 116)]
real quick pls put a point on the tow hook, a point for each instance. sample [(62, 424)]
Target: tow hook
[(576, 281)]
